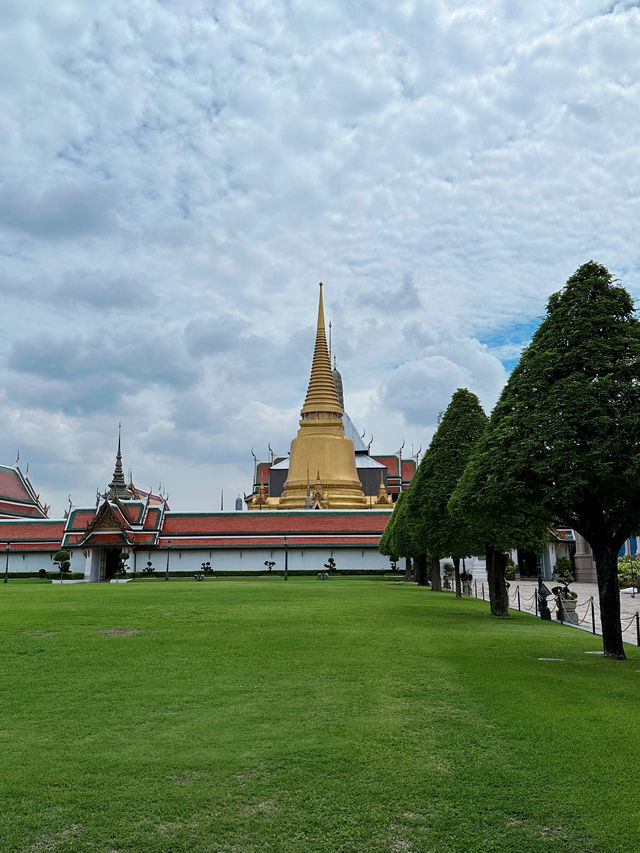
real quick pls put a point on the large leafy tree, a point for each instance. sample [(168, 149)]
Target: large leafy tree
[(385, 545), (397, 539), (438, 531), (563, 442)]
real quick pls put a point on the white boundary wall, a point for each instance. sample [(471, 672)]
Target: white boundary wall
[(253, 559), (33, 561)]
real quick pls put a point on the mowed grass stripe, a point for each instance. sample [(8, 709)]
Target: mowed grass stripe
[(348, 715)]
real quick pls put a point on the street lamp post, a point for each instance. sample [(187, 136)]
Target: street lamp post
[(6, 565), (286, 560), (166, 574)]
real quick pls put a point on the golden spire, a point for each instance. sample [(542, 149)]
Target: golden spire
[(321, 443), (321, 393)]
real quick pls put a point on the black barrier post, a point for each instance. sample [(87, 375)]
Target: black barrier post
[(593, 617), (518, 588), (286, 559), (637, 628), (475, 586), (483, 591)]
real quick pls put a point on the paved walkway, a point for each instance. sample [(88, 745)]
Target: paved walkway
[(629, 605)]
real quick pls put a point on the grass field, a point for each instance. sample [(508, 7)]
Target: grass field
[(350, 715)]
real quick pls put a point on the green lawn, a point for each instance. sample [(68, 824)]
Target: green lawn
[(348, 715)]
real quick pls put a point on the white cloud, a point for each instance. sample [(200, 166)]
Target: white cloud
[(177, 178)]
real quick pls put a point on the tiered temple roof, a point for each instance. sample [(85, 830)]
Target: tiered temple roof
[(114, 522), (31, 535), (17, 496)]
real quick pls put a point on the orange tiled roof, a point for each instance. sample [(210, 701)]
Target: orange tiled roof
[(267, 541), (33, 535), (275, 522)]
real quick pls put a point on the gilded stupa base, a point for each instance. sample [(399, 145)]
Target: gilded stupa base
[(322, 470), (332, 496)]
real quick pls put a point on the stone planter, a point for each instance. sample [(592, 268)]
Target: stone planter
[(568, 606), (120, 580)]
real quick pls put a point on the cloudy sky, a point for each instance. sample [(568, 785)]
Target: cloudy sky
[(177, 176)]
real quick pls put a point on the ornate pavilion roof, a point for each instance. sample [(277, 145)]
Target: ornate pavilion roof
[(133, 523), (17, 495)]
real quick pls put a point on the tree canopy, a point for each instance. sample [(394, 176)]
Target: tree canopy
[(437, 530), (397, 539), (563, 442)]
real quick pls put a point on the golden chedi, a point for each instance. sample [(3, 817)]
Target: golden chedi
[(321, 447)]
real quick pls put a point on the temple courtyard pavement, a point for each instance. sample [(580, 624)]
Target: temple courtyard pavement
[(629, 605)]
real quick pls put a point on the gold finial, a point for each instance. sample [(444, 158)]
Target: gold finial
[(321, 311)]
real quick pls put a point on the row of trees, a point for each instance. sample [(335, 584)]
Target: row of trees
[(562, 446)]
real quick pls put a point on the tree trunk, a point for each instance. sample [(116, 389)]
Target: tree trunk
[(498, 595), (408, 569), (420, 564), (436, 576), (606, 554), (456, 574)]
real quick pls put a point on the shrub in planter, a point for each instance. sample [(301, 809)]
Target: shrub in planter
[(63, 560), (123, 566), (42, 573), (330, 565), (628, 571), (465, 579), (564, 570), (564, 592), (565, 603)]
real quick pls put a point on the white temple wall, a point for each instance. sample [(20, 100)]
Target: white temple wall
[(190, 561), (31, 561), (253, 559)]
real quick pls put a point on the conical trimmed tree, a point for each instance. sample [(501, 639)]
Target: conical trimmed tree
[(437, 531), (563, 442), (397, 539)]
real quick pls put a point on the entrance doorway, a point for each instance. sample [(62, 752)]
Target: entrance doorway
[(111, 562), (528, 562)]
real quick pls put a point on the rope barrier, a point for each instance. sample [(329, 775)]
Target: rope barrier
[(629, 623), (587, 615), (591, 610)]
